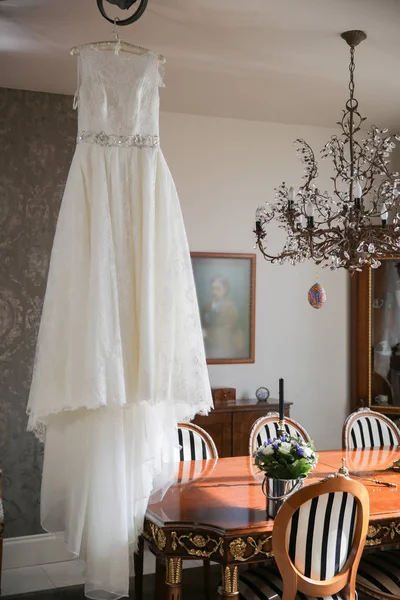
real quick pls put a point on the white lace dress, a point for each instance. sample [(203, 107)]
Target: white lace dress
[(120, 356)]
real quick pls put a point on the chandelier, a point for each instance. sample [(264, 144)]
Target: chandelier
[(349, 227)]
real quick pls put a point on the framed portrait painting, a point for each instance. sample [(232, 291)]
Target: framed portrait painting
[(225, 285)]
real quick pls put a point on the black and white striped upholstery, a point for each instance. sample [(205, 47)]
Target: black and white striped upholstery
[(195, 443), (320, 535), (319, 539), (379, 574), (266, 583), (368, 429), (267, 428)]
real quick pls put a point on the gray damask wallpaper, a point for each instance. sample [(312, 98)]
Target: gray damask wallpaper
[(37, 139)]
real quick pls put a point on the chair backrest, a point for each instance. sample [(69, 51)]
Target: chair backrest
[(368, 429), (267, 427), (195, 443), (319, 535)]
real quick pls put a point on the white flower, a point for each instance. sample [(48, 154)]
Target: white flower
[(285, 448), (267, 450), (308, 453)]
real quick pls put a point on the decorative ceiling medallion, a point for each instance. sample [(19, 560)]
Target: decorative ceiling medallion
[(123, 4)]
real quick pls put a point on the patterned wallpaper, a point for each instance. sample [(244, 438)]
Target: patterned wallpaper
[(37, 139)]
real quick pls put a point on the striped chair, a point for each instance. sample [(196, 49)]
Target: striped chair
[(379, 575), (317, 540), (368, 429), (267, 427), (379, 572), (195, 444)]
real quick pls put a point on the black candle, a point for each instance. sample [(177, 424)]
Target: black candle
[(281, 399)]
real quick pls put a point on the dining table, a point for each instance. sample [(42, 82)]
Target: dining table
[(216, 511)]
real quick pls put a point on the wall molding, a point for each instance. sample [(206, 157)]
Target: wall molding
[(31, 550)]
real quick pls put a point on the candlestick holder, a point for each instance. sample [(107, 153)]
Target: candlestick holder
[(343, 471), (281, 427)]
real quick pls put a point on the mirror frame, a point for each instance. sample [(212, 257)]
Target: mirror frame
[(361, 342)]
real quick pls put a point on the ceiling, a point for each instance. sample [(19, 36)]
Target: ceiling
[(266, 60)]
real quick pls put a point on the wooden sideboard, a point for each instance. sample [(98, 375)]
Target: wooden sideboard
[(229, 426)]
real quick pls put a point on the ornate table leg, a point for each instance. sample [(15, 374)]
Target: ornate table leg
[(230, 582), (138, 562), (173, 578), (160, 588), (206, 578)]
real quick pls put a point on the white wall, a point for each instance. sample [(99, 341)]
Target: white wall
[(224, 169)]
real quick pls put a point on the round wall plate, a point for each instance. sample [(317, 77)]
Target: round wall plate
[(262, 394)]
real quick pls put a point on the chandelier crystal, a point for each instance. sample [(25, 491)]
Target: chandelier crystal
[(349, 227)]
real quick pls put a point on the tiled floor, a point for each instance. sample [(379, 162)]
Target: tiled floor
[(60, 575), (28, 579), (193, 588)]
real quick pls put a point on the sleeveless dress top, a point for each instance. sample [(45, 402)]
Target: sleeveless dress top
[(120, 355)]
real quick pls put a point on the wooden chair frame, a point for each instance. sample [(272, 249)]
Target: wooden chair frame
[(211, 447), (345, 581), (365, 412), (270, 418)]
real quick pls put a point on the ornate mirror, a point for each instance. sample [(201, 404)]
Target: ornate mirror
[(375, 338)]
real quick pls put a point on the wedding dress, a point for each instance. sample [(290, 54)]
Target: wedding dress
[(120, 357)]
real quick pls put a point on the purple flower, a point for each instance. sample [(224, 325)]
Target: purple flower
[(300, 451)]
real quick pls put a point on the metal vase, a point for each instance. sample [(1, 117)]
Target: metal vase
[(277, 491)]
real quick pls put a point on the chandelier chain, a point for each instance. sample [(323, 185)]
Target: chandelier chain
[(352, 67), (351, 106)]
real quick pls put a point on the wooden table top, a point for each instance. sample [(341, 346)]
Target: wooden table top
[(225, 494)]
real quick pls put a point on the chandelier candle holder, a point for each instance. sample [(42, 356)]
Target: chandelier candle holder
[(349, 227), (281, 424)]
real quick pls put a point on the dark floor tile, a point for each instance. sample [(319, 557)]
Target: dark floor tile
[(193, 588)]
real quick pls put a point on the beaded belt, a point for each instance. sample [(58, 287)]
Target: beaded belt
[(125, 141)]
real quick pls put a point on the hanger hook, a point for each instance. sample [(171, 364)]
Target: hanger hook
[(115, 31)]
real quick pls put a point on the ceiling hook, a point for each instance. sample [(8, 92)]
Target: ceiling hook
[(124, 5)]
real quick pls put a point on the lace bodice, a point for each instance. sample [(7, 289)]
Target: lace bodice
[(118, 94)]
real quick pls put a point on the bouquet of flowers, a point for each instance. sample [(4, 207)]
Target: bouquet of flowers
[(286, 457)]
